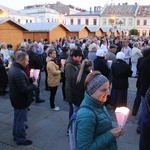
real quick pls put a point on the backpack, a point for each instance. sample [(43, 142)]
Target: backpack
[(72, 127)]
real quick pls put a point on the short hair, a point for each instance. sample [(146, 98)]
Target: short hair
[(65, 49), (135, 44), (76, 52), (50, 51), (146, 51), (21, 55)]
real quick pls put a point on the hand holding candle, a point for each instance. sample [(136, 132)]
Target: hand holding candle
[(63, 61), (31, 73), (122, 115)]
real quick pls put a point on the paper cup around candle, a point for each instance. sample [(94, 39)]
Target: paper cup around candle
[(109, 63), (36, 73), (63, 61), (122, 115), (31, 73)]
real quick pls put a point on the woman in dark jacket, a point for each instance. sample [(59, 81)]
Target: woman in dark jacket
[(77, 84), (120, 72)]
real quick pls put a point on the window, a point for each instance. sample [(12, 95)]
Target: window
[(87, 21), (124, 21), (130, 21), (30, 21), (145, 22), (138, 22), (47, 19), (18, 20), (79, 21), (104, 22), (26, 21), (52, 20), (94, 21), (71, 21)]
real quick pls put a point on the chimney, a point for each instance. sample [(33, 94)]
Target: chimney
[(90, 10)]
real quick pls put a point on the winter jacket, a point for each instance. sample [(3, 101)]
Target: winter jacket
[(53, 71), (101, 65), (70, 68), (20, 87), (120, 72), (34, 61), (78, 89), (89, 135), (135, 54), (144, 71)]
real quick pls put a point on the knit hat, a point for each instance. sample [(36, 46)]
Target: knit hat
[(95, 83), (120, 55)]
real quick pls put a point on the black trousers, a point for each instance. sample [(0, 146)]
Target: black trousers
[(53, 91), (136, 104)]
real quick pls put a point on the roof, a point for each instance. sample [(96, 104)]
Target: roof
[(39, 10), (3, 20), (43, 26), (93, 28), (143, 11), (105, 29), (76, 28), (86, 13), (120, 10)]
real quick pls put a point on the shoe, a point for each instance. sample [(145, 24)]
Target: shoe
[(26, 142), (67, 133), (56, 108), (138, 131), (26, 126), (40, 101)]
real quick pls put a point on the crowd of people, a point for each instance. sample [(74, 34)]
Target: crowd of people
[(93, 71)]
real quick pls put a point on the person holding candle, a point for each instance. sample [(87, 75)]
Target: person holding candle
[(53, 78), (91, 135), (20, 96)]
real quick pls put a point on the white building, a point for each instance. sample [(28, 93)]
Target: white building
[(90, 18), (16, 15), (142, 21)]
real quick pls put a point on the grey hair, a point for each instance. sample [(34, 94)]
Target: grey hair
[(135, 44), (21, 55)]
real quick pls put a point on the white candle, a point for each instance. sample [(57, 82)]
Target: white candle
[(122, 115), (36, 73), (31, 73), (63, 61)]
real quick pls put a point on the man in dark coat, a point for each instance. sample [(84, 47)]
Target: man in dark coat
[(20, 96), (35, 63)]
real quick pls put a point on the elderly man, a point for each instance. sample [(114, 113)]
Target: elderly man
[(20, 96), (111, 53)]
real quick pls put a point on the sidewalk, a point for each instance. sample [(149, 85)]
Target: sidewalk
[(47, 128)]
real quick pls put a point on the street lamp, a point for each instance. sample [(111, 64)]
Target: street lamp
[(120, 22)]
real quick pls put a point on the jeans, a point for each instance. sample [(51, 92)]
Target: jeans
[(53, 91), (75, 108), (143, 106), (20, 117), (70, 110)]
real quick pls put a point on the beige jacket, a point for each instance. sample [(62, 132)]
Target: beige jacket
[(53, 71)]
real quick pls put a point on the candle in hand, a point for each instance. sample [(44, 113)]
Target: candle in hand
[(31, 73)]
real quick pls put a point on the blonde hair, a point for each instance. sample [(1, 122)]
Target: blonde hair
[(84, 66)]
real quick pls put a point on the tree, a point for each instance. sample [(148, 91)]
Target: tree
[(133, 32)]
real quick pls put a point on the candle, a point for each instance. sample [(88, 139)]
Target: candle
[(36, 73), (31, 73), (122, 115), (63, 61)]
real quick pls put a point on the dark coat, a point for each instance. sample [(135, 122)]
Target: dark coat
[(70, 68), (34, 61), (78, 89), (20, 87), (101, 65), (120, 72), (3, 76), (144, 71)]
